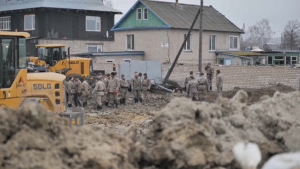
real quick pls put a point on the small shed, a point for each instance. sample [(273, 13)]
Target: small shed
[(230, 58)]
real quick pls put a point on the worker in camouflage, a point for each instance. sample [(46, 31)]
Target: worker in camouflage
[(105, 81), (192, 88), (146, 85), (136, 86), (202, 86), (209, 74), (187, 79), (219, 83), (70, 91), (101, 90), (123, 89), (77, 91), (113, 87), (85, 91)]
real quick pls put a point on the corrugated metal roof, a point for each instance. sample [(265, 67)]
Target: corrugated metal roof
[(125, 53), (89, 5), (182, 16), (240, 53)]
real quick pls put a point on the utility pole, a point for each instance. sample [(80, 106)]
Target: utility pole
[(200, 37)]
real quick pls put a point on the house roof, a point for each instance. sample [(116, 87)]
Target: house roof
[(182, 16), (272, 46), (89, 5), (239, 53), (101, 54)]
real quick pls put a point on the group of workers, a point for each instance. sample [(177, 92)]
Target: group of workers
[(108, 90), (197, 89)]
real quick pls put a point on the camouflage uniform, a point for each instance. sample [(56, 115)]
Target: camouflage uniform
[(192, 88), (209, 75), (146, 84), (123, 90), (105, 97), (77, 89), (70, 91), (136, 86), (113, 87), (85, 92), (202, 87), (101, 90), (219, 84)]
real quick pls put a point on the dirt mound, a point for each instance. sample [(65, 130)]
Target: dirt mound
[(32, 138), (188, 134)]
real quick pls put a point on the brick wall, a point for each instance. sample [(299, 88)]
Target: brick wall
[(242, 76), (150, 41)]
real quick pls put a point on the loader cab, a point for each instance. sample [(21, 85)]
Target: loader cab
[(12, 56), (51, 53)]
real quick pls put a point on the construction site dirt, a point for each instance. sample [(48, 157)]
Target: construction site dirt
[(168, 132)]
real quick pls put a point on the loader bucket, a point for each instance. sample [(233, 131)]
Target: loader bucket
[(75, 115)]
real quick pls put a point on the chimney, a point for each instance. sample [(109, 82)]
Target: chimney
[(176, 2), (244, 27)]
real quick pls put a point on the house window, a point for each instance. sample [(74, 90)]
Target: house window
[(294, 60), (245, 62), (212, 42), (221, 61), (270, 60), (145, 14), (109, 60), (94, 48), (279, 60), (139, 14), (130, 42), (233, 42), (5, 23), (93, 23), (187, 45), (29, 22)]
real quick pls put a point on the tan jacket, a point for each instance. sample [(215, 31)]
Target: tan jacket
[(146, 84), (123, 85), (210, 72), (77, 86), (85, 88), (100, 88), (70, 88), (219, 81), (202, 83), (106, 82), (113, 84), (136, 83), (192, 86)]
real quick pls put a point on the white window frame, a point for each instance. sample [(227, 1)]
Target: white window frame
[(185, 46), (32, 24), (210, 42), (293, 57), (5, 25), (110, 60), (93, 18), (144, 13), (99, 47), (237, 42), (137, 14), (132, 43)]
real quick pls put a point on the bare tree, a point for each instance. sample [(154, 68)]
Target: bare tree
[(107, 3), (291, 35), (258, 34)]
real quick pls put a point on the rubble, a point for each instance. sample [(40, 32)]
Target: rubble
[(170, 131)]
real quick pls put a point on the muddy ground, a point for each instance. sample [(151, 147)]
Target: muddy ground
[(141, 115)]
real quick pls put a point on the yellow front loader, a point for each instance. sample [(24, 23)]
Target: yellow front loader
[(18, 87), (53, 58)]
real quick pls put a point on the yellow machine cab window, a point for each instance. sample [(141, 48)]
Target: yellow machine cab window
[(11, 60), (50, 55)]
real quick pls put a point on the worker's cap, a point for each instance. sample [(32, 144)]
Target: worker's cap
[(98, 78), (201, 73), (122, 75), (107, 74), (140, 74), (218, 71), (145, 74), (113, 73), (208, 63), (191, 72)]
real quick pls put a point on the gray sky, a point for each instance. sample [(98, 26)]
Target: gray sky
[(241, 11)]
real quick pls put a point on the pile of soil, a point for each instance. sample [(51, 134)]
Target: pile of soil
[(181, 135)]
